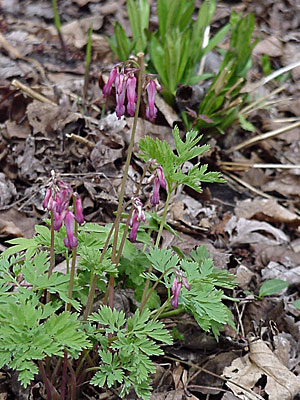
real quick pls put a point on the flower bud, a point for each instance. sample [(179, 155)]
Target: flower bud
[(107, 88), (161, 177), (134, 223), (47, 199), (131, 95), (174, 300), (151, 110), (70, 241), (78, 207), (154, 198)]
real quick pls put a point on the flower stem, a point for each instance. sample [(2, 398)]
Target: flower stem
[(52, 254), (146, 295), (50, 389), (163, 218), (125, 175), (64, 377), (93, 285), (171, 313), (144, 301), (74, 254)]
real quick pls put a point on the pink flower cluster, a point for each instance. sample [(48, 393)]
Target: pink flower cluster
[(57, 199), (176, 287), (125, 84), (138, 216), (159, 181)]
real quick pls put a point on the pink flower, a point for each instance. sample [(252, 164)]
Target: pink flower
[(176, 287), (175, 293), (151, 110), (60, 205), (78, 207), (120, 84), (161, 177), (48, 197), (185, 282), (131, 95), (134, 223), (58, 218), (138, 215), (70, 241), (139, 207), (107, 88), (154, 198), (159, 181)]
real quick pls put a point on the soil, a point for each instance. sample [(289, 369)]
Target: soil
[(251, 224)]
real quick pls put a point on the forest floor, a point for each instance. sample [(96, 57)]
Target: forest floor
[(250, 225)]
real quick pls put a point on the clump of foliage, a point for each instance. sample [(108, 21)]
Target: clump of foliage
[(175, 50), (48, 323)]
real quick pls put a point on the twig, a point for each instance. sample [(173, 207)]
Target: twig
[(260, 138), (239, 315), (247, 185), (273, 75), (32, 93), (191, 364), (13, 53), (204, 44), (81, 139), (248, 109), (241, 166)]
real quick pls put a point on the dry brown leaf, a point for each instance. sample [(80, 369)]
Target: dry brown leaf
[(15, 223), (274, 270), (17, 131), (229, 396), (8, 228), (167, 111), (287, 184), (177, 372), (41, 116), (266, 210), (76, 31), (282, 384), (7, 191), (243, 372), (243, 276), (244, 231), (290, 55), (271, 46)]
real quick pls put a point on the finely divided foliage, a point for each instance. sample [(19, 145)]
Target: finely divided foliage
[(172, 163), (129, 364), (109, 349)]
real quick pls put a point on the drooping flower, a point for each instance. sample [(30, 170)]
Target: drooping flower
[(176, 287), (120, 84), (159, 182), (78, 207), (47, 199), (161, 177), (154, 198), (175, 293), (151, 110), (134, 223), (58, 218), (139, 207), (60, 204), (70, 241), (57, 199), (108, 86), (138, 216), (131, 95)]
